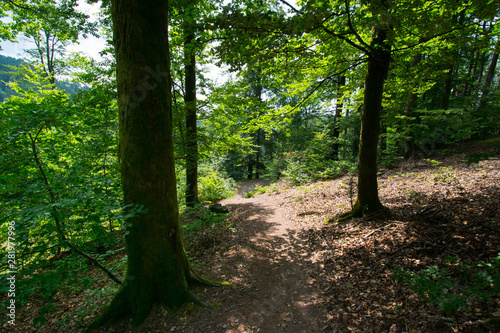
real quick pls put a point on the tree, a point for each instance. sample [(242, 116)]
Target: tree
[(190, 101), (378, 68), (326, 27), (157, 267), (51, 26), (336, 119)]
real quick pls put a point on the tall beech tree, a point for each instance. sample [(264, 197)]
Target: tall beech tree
[(158, 270), (52, 26), (190, 101), (378, 67), (336, 119)]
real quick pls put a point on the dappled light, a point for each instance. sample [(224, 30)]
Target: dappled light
[(250, 166)]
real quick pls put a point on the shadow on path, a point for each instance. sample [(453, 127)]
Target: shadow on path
[(271, 286)]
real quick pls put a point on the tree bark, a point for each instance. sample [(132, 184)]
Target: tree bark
[(258, 152), (157, 269), (487, 86), (445, 96), (383, 138), (410, 107), (491, 73), (191, 126), (250, 168), (336, 120), (378, 68)]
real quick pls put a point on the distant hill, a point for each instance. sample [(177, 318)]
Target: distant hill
[(5, 91)]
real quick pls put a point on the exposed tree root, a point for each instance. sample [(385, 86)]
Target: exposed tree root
[(360, 211), (138, 303), (195, 280), (197, 301)]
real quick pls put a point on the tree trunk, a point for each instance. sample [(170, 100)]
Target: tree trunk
[(487, 86), (157, 269), (336, 120), (491, 73), (383, 137), (445, 96), (250, 168), (191, 130), (410, 107), (378, 68), (257, 154)]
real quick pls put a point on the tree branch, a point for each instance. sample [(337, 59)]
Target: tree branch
[(323, 81), (353, 31), (55, 214), (292, 7), (347, 40), (428, 39)]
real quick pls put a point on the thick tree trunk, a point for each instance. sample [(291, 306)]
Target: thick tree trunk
[(191, 126), (157, 269), (336, 120), (378, 68), (383, 139)]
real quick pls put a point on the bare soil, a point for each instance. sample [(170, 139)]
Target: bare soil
[(288, 271)]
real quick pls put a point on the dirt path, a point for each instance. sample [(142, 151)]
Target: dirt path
[(271, 288)]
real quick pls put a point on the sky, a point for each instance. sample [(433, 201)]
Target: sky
[(90, 46)]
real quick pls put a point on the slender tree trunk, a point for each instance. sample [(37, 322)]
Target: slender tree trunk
[(445, 96), (55, 215), (378, 68), (254, 77), (487, 86), (50, 58), (491, 73), (338, 113), (157, 269), (250, 168), (410, 108), (257, 154), (191, 126)]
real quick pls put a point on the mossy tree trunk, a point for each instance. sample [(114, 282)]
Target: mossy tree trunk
[(191, 126), (378, 68), (157, 270)]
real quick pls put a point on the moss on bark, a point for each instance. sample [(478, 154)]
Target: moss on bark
[(378, 68)]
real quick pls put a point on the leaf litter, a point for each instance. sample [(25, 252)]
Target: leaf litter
[(290, 272)]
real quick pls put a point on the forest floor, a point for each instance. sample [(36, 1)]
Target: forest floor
[(288, 271)]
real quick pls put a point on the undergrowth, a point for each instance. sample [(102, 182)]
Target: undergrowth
[(456, 288)]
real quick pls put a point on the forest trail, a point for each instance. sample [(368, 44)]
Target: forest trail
[(271, 288), (289, 272)]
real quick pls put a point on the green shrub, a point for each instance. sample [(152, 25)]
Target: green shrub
[(337, 168), (295, 172), (215, 185), (260, 190), (478, 157), (450, 292)]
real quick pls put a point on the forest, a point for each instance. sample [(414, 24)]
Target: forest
[(251, 166)]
